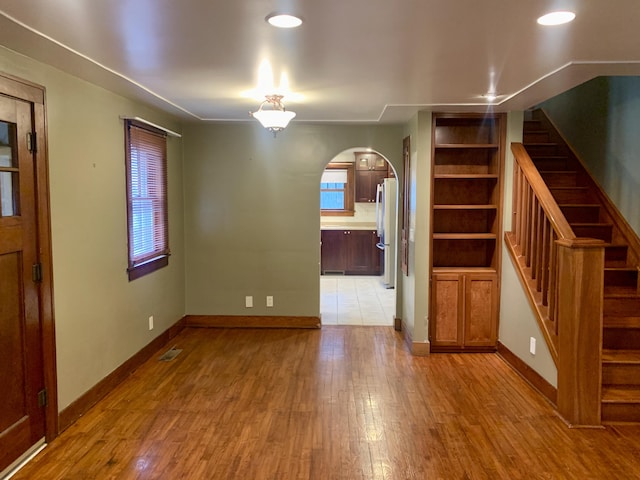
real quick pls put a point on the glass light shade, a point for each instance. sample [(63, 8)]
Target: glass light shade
[(274, 119), (556, 18), (283, 20)]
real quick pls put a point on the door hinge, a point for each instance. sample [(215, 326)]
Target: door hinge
[(32, 142), (36, 272), (43, 400)]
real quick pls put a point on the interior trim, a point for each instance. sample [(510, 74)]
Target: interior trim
[(80, 406), (528, 374), (251, 321), (419, 349)]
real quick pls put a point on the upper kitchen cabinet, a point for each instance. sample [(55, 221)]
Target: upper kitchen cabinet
[(371, 169)]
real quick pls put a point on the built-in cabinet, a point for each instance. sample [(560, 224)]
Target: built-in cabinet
[(352, 252), (466, 220), (371, 170)]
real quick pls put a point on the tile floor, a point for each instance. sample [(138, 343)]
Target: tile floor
[(356, 300)]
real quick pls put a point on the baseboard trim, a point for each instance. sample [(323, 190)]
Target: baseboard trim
[(75, 410), (246, 321), (397, 324), (419, 349), (528, 374)]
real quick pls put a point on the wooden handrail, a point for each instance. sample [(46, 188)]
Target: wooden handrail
[(548, 203), (563, 277)]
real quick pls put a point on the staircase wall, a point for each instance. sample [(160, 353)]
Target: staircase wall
[(517, 321), (600, 120)]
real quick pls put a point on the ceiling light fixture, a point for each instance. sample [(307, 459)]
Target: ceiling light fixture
[(556, 18), (490, 96), (276, 118), (283, 20)]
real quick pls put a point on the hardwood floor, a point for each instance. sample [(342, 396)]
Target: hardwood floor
[(336, 403)]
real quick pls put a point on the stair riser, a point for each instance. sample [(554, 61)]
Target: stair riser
[(556, 179), (615, 256), (542, 150), (620, 374), (551, 164), (621, 307), (621, 412), (602, 232), (621, 338), (569, 195), (535, 137), (581, 214), (621, 278)]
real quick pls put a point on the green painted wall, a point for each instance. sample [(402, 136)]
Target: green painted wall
[(101, 318), (252, 212), (600, 120)]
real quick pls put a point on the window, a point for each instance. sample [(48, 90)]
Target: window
[(146, 165), (337, 189)]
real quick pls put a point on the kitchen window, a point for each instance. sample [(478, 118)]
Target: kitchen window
[(146, 167), (337, 190)]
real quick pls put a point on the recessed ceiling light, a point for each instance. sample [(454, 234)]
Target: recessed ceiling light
[(490, 96), (556, 18), (283, 20)]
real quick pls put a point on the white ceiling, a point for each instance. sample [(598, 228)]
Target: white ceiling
[(351, 60)]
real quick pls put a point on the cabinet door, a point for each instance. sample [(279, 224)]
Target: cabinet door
[(359, 252), (364, 192), (376, 254), (481, 310), (367, 183), (445, 326), (333, 252)]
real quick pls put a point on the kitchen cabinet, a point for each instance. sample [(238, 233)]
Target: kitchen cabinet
[(466, 221), (352, 252), (464, 311), (371, 169), (367, 182), (370, 161)]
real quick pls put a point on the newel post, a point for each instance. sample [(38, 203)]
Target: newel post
[(580, 297)]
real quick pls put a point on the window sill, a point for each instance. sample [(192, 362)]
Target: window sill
[(337, 213), (148, 267)]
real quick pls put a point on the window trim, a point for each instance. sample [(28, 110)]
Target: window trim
[(349, 191), (137, 268)]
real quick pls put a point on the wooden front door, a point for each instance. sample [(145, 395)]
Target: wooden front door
[(22, 412)]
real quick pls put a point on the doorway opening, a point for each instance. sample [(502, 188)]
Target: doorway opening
[(358, 255)]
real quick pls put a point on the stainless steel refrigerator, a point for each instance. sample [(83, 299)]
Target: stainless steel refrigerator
[(386, 226)]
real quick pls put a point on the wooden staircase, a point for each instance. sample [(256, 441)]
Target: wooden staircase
[(591, 214)]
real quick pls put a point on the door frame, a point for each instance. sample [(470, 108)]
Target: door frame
[(35, 94)]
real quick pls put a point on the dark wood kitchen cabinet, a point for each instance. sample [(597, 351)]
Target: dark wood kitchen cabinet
[(352, 252), (371, 170)]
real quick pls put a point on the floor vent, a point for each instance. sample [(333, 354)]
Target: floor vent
[(170, 354)]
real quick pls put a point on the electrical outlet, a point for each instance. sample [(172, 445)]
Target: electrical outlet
[(151, 322), (532, 346), (248, 301), (269, 301)]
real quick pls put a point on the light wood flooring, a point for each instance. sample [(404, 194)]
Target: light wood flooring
[(336, 403)]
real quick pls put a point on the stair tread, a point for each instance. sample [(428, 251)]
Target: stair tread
[(591, 224), (621, 394), (631, 357), (579, 205), (621, 322), (612, 291)]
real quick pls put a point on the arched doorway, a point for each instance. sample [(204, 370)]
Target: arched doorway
[(358, 223)]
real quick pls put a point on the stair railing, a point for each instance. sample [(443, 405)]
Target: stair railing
[(563, 277)]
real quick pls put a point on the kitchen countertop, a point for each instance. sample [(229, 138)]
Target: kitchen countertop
[(349, 226)]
